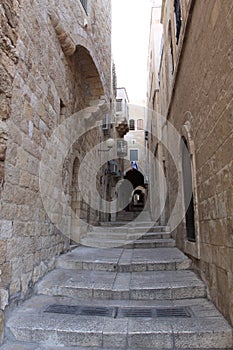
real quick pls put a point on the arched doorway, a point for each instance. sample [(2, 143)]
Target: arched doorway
[(188, 192), (138, 195), (135, 177)]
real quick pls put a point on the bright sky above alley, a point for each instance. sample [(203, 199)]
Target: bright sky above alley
[(130, 39)]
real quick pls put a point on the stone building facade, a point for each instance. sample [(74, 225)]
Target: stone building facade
[(55, 60), (194, 93), (136, 137)]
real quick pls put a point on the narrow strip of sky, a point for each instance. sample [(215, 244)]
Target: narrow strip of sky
[(130, 39)]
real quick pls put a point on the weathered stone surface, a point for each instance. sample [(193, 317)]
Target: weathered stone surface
[(204, 329), (45, 77), (4, 298), (198, 92), (1, 326)]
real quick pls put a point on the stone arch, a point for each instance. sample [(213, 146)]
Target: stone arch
[(81, 40), (81, 46), (91, 83), (135, 177), (192, 248)]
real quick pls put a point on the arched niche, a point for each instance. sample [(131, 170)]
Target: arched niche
[(91, 85)]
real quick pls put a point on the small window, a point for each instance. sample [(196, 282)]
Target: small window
[(133, 155), (84, 4), (119, 105), (131, 124), (140, 124)]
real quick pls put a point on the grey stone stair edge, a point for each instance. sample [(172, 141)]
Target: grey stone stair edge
[(127, 236), (131, 245), (122, 225), (119, 259), (25, 346), (127, 267), (123, 285), (103, 332), (21, 346)]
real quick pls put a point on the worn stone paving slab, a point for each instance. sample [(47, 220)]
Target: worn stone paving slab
[(190, 331), (69, 330), (141, 285), (206, 328), (58, 329), (150, 334), (118, 259)]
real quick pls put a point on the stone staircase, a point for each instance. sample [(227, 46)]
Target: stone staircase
[(132, 235), (125, 298)]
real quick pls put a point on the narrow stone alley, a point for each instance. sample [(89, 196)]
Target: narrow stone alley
[(140, 296), (116, 195)]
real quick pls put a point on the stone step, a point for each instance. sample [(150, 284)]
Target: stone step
[(127, 234), (127, 243), (144, 226), (124, 260), (156, 285), (124, 230), (132, 215), (205, 328), (25, 346)]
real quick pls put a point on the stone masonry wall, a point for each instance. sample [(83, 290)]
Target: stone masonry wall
[(41, 85), (9, 11), (203, 97)]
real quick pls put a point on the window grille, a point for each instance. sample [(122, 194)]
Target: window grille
[(84, 4)]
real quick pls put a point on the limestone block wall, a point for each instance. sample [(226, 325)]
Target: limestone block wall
[(8, 61), (202, 101), (42, 83)]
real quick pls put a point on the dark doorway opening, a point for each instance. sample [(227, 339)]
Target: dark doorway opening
[(188, 192), (135, 177)]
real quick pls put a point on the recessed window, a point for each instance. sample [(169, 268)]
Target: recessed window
[(119, 105), (133, 155), (131, 124), (140, 124)]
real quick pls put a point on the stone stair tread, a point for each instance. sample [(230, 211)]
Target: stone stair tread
[(153, 243), (201, 307), (125, 225), (123, 285), (117, 278), (113, 243), (33, 325), (116, 259), (21, 346), (127, 235), (25, 346)]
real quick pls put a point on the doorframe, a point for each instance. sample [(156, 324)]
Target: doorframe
[(191, 248)]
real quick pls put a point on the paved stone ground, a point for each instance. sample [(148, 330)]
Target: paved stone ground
[(124, 278)]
